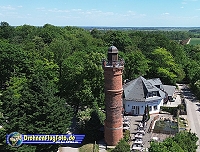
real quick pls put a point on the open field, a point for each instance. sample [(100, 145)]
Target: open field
[(194, 41)]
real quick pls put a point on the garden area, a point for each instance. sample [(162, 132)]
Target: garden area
[(166, 127)]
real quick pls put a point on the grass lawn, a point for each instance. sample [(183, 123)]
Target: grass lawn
[(89, 148), (195, 41)]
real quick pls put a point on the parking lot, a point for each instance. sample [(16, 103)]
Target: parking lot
[(135, 121)]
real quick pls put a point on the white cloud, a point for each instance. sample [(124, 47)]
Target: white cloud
[(40, 8), (184, 3), (76, 10), (143, 15), (190, 0), (166, 13), (128, 14), (131, 13), (108, 13), (7, 7), (55, 10)]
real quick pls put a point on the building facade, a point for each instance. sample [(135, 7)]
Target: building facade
[(140, 92)]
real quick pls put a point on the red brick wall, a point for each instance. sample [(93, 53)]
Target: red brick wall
[(113, 78), (113, 101), (112, 136)]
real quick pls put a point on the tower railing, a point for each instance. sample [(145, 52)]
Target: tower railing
[(119, 63)]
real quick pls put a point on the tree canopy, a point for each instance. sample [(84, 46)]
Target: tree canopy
[(182, 142), (49, 71)]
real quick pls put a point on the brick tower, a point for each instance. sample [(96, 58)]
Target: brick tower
[(113, 127)]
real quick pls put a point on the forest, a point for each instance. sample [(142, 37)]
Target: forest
[(48, 73)]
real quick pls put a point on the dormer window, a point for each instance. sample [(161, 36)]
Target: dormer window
[(149, 94), (154, 93)]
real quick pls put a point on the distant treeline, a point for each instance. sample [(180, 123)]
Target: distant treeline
[(195, 30)]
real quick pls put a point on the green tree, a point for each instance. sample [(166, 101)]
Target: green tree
[(196, 88), (13, 61), (96, 33), (30, 105), (192, 71), (81, 40), (6, 31), (181, 142), (61, 50), (122, 146), (126, 135), (24, 33), (178, 53), (93, 126), (48, 32), (186, 140), (90, 121), (164, 66), (148, 43), (38, 43), (168, 145), (119, 39), (146, 115), (136, 65), (82, 79)]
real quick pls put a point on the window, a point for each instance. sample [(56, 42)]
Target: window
[(150, 108), (155, 107), (150, 94), (133, 107), (154, 93)]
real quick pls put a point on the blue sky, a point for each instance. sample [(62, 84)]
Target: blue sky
[(126, 13)]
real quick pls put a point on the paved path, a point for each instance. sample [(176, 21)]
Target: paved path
[(175, 103), (68, 149), (102, 146), (193, 112), (188, 42)]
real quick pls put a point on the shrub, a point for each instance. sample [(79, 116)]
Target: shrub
[(127, 136), (89, 123), (196, 88), (122, 146), (181, 142), (171, 110)]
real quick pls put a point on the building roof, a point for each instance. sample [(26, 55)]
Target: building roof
[(169, 89), (155, 81), (137, 90)]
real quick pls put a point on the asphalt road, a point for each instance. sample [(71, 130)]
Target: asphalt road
[(193, 111)]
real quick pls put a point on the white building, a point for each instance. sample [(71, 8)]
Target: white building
[(141, 92)]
